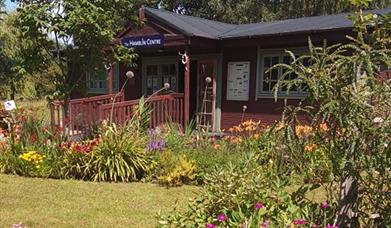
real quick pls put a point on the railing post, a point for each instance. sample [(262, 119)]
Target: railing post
[(187, 88)]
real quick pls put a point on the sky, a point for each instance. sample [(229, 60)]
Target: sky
[(10, 6)]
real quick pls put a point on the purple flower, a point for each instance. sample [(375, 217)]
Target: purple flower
[(324, 205), (265, 224), (259, 206), (299, 222), (210, 225), (156, 145), (222, 218), (331, 226)]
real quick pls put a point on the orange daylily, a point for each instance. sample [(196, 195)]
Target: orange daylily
[(310, 147)]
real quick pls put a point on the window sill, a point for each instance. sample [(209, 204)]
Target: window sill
[(95, 91), (281, 96)]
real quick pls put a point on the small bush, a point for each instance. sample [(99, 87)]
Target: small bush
[(208, 158), (174, 170)]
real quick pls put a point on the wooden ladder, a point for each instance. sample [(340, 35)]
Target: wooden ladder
[(204, 117)]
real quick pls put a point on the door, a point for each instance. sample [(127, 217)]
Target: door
[(206, 94)]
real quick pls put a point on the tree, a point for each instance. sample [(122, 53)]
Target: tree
[(347, 96), (12, 61), (75, 34), (248, 11)]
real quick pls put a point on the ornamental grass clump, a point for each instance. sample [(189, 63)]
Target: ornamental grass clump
[(119, 156)]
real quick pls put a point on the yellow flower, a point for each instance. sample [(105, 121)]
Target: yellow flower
[(33, 157)]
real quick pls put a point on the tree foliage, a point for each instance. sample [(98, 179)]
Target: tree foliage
[(239, 11), (13, 62), (75, 34)]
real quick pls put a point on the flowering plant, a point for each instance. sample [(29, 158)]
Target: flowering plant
[(80, 147), (243, 196), (33, 157), (246, 130)]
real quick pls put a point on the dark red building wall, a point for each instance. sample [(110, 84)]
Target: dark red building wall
[(265, 109)]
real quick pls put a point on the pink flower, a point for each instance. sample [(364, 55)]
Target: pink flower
[(222, 218), (210, 225), (259, 206), (265, 224), (315, 226), (331, 226), (299, 222), (324, 205)]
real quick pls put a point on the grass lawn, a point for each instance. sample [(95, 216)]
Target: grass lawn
[(68, 203)]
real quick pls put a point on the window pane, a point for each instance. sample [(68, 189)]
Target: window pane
[(286, 59), (165, 69), (274, 75), (152, 70), (173, 69), (275, 60), (267, 61), (266, 86)]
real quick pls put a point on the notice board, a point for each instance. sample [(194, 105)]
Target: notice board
[(238, 81)]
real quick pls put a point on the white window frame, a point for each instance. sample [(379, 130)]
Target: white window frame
[(104, 89), (262, 53), (159, 61)]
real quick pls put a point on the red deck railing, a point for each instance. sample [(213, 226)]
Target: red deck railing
[(164, 108), (84, 113), (81, 114)]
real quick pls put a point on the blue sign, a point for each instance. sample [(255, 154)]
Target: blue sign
[(154, 41)]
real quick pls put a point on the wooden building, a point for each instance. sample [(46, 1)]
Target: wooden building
[(219, 68)]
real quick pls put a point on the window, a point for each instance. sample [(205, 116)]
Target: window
[(269, 78), (98, 82), (159, 74)]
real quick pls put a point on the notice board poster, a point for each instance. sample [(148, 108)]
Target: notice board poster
[(238, 81)]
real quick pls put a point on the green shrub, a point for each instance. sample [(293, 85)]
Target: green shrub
[(248, 195), (174, 170), (10, 163), (208, 158)]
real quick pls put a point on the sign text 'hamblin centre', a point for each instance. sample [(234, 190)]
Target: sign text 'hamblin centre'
[(154, 41)]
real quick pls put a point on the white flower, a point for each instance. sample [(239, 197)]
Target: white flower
[(373, 216), (378, 120), (385, 145)]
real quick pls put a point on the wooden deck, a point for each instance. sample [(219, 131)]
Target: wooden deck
[(82, 115)]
